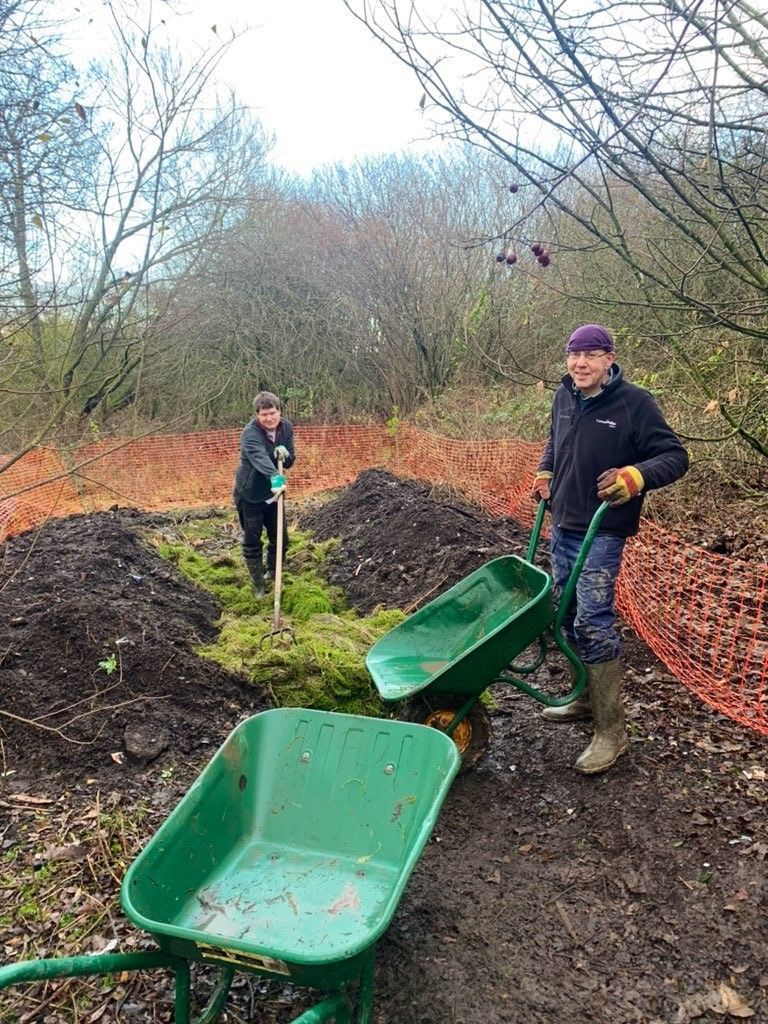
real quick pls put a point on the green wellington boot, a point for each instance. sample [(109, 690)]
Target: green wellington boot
[(610, 740), (257, 576), (573, 712)]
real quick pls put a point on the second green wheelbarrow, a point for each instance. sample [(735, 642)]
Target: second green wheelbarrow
[(287, 859), (441, 659)]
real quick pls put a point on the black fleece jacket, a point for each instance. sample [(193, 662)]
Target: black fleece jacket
[(621, 426), (257, 460)]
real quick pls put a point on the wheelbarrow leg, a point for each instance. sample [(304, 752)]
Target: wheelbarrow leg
[(218, 998), (365, 991), (182, 1004)]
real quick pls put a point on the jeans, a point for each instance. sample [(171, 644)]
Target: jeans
[(590, 622), (255, 517)]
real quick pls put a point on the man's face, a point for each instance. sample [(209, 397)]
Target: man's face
[(268, 418), (589, 370)]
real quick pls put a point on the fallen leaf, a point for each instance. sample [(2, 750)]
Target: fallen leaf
[(733, 1003), (80, 111), (711, 407), (71, 852), (118, 757)]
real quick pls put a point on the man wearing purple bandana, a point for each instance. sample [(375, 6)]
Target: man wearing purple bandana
[(608, 441)]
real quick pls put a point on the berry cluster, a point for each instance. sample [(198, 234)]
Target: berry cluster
[(540, 253), (510, 258)]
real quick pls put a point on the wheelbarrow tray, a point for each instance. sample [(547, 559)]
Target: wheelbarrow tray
[(289, 854), (462, 640)]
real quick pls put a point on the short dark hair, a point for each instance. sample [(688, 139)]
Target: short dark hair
[(266, 400)]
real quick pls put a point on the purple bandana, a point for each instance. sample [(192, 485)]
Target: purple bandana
[(589, 337)]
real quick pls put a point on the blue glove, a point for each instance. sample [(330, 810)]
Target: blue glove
[(282, 453), (277, 483)]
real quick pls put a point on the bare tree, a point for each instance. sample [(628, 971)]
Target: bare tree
[(169, 164), (645, 125), (396, 234)]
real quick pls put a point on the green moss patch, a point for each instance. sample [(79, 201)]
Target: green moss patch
[(323, 664)]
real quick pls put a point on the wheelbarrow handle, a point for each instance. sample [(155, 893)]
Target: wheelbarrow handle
[(570, 586), (538, 522), (580, 672), (586, 544)]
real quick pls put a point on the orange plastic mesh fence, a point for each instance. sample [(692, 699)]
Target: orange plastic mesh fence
[(705, 616)]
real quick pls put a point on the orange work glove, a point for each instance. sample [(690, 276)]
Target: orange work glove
[(617, 486), (540, 489)]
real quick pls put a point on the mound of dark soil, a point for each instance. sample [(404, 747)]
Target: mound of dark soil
[(84, 591), (404, 542)]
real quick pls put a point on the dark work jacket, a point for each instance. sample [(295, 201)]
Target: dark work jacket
[(621, 426), (257, 460)]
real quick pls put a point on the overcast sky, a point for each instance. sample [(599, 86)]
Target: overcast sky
[(310, 71)]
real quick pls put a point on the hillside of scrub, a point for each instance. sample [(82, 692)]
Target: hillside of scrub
[(544, 896)]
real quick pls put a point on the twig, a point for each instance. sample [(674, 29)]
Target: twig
[(419, 600), (47, 728), (85, 714), (561, 894), (83, 700), (56, 991), (567, 922)]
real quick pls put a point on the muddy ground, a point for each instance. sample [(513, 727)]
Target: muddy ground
[(543, 897)]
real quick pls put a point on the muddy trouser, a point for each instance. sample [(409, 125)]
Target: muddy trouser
[(590, 622), (254, 518)]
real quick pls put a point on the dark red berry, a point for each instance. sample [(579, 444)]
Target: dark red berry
[(544, 259), (537, 248), (513, 186), (500, 257), (512, 259)]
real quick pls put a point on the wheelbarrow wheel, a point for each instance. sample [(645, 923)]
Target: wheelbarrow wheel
[(472, 735)]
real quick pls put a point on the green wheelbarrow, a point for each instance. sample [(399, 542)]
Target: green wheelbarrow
[(287, 859), (441, 659)]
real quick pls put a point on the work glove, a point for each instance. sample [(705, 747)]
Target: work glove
[(282, 453), (541, 485), (617, 486), (277, 483)]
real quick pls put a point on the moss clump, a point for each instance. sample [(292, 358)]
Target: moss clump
[(324, 666), (224, 576)]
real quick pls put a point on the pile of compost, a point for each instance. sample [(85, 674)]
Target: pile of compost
[(405, 542), (97, 637)]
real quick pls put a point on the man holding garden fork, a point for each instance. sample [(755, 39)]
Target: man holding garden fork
[(266, 440)]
